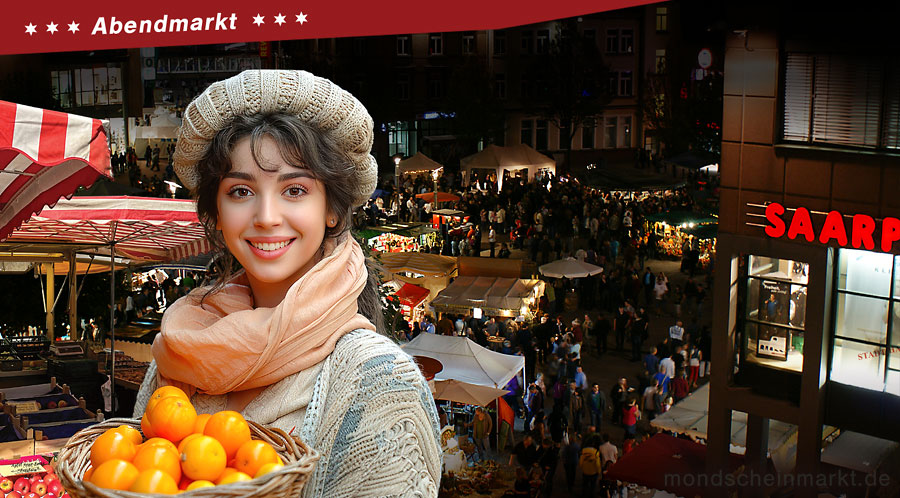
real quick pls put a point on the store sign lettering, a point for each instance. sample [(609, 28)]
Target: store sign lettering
[(877, 353), (862, 232)]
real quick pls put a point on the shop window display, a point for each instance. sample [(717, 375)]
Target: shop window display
[(866, 346), (775, 317)]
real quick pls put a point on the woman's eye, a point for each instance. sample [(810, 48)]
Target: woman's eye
[(295, 191), (239, 192)]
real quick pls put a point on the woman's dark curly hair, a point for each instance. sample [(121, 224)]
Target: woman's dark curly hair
[(300, 145)]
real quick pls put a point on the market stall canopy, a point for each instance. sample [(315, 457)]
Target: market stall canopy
[(417, 164), (411, 295), (692, 160), (681, 218), (689, 417), (441, 196), (464, 392), (147, 228), (628, 179), (466, 361), (512, 158), (495, 295), (430, 265), (653, 463), (450, 212), (45, 155), (708, 231), (569, 268)]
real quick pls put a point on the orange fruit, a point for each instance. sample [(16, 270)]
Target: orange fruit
[(159, 457), (115, 474), (265, 469), (230, 477), (145, 427), (133, 434), (87, 474), (200, 424), (154, 481), (203, 458), (112, 445), (185, 440), (164, 392), (200, 483), (230, 429), (184, 482), (158, 441), (173, 418), (254, 454)]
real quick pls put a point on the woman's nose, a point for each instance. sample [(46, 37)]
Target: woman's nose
[(268, 212)]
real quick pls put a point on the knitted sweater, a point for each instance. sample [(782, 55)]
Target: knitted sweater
[(366, 409)]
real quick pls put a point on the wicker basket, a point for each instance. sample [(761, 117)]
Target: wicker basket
[(288, 481)]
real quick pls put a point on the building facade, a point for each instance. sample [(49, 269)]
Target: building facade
[(807, 288)]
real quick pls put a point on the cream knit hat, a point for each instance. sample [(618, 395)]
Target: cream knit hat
[(315, 100)]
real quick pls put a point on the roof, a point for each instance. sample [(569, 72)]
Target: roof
[(411, 295), (466, 361), (431, 265), (492, 294), (418, 162), (514, 156)]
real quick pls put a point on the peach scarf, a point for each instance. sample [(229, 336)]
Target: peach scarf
[(226, 345)]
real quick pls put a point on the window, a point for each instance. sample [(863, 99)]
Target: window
[(842, 100), (661, 61), (527, 136), (527, 40), (435, 86), (613, 83), (612, 41), (564, 135), (403, 45), (403, 88), (499, 42), (590, 36), (527, 88), (612, 128), (101, 85), (435, 44), (540, 134), (776, 312), (542, 43), (626, 131), (662, 19), (587, 135), (866, 346), (626, 41), (625, 84), (500, 86), (402, 138), (468, 43)]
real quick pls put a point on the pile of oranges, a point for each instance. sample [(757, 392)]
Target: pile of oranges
[(182, 450)]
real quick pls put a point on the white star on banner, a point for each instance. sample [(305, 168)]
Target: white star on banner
[(73, 26), (301, 18), (51, 28), (258, 20), (279, 19), (30, 29)]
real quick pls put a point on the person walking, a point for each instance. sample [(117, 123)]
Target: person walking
[(481, 425), (589, 462), (597, 403), (571, 454)]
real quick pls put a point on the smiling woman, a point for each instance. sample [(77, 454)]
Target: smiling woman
[(277, 161)]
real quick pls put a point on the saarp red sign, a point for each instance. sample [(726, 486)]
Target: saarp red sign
[(863, 232)]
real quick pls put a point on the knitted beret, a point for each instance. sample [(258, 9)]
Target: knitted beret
[(315, 100)]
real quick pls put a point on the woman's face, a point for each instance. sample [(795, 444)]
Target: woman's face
[(273, 222)]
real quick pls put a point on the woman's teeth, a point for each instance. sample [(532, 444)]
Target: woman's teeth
[(270, 246)]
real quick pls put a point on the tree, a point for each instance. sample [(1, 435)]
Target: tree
[(686, 116), (479, 114), (572, 87)]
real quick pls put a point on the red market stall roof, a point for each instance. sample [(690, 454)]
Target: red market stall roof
[(411, 295), (45, 155), (148, 228), (663, 455)]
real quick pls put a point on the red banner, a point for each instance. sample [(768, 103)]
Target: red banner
[(70, 26)]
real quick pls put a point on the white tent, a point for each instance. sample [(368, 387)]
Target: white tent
[(512, 159), (418, 163), (569, 268), (496, 295), (464, 392), (466, 361)]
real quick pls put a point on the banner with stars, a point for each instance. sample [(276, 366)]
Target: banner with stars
[(71, 26)]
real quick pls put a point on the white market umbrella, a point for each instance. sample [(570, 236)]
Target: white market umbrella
[(464, 392), (569, 268)]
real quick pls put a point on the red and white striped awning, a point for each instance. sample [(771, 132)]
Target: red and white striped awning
[(147, 228), (45, 155)]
